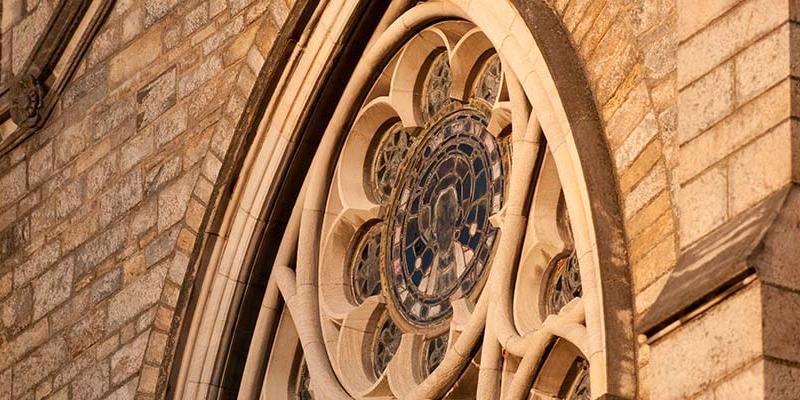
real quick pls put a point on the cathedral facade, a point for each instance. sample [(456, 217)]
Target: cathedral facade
[(380, 199)]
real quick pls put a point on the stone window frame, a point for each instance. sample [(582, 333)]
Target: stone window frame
[(571, 134)]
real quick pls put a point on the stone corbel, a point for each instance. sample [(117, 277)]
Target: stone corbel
[(30, 95)]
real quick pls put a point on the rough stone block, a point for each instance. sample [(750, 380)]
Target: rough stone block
[(156, 97), (128, 359), (727, 35), (172, 201), (156, 9), (92, 383), (17, 310), (137, 56), (40, 260), (745, 124), (781, 323), (46, 359), (199, 75), (40, 165), (636, 142), (695, 15), (87, 331), (648, 188), (14, 184), (136, 297), (52, 288), (99, 248)]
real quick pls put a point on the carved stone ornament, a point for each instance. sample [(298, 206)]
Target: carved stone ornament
[(27, 96)]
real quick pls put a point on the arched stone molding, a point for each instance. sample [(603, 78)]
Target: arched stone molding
[(242, 185), (566, 113)]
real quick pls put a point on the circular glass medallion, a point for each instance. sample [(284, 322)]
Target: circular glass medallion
[(440, 236)]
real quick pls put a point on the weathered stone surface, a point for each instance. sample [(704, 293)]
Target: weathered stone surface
[(705, 102), (703, 205), (138, 55), (98, 249), (127, 360), (92, 383), (40, 260), (39, 364), (156, 97), (173, 200), (52, 288), (136, 297), (87, 331), (699, 352), (14, 184)]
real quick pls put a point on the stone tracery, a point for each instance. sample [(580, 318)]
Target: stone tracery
[(428, 216)]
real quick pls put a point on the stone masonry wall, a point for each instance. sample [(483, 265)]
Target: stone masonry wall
[(99, 210)]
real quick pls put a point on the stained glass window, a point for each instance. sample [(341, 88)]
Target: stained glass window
[(434, 352), (386, 344), (441, 238), (386, 165), (437, 85), (580, 389), (487, 86), (564, 283), (366, 278)]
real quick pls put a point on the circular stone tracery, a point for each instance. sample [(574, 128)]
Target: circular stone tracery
[(440, 236)]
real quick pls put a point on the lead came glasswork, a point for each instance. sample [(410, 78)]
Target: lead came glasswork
[(435, 350), (386, 345), (386, 165), (366, 278), (580, 389), (564, 283), (437, 85), (488, 83), (440, 236)]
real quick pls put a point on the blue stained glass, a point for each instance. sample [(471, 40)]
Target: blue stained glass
[(449, 190)]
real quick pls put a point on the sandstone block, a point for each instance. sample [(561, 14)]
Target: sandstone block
[(199, 75), (46, 359), (136, 297), (156, 97), (700, 352), (727, 35), (13, 184), (745, 124), (99, 248), (52, 288), (138, 55), (781, 323), (92, 383), (40, 260), (87, 331), (173, 200), (636, 142), (647, 189), (128, 359), (761, 168), (156, 9), (763, 64), (705, 102), (702, 205)]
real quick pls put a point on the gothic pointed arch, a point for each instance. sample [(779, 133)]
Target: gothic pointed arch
[(450, 229)]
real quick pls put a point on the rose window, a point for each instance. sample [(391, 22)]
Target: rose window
[(415, 221)]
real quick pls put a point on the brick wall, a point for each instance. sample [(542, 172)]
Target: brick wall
[(99, 210)]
